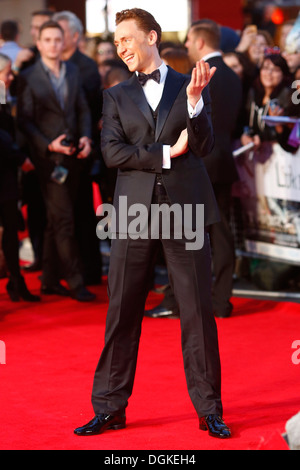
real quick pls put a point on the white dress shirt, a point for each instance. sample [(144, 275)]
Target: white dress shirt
[(153, 92)]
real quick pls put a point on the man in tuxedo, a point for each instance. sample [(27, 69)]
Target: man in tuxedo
[(53, 114), (156, 129)]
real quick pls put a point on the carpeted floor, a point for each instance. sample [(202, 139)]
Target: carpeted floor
[(52, 350)]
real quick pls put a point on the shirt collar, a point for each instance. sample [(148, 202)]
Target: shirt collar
[(211, 55), (49, 71)]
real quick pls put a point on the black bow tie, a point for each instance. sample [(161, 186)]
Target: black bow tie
[(143, 78)]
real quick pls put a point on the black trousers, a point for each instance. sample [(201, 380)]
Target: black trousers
[(10, 242), (36, 212), (61, 257), (131, 267), (223, 256), (85, 231), (223, 252)]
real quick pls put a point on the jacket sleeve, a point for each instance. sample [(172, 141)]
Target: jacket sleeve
[(200, 129), (25, 118), (117, 151)]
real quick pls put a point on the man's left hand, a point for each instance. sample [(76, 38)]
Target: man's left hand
[(84, 147), (201, 76)]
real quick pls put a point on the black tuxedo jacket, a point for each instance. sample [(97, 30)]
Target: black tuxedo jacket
[(42, 119), (133, 143), (226, 101)]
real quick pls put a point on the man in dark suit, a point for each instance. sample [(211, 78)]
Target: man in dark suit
[(51, 109), (156, 129), (203, 43), (91, 83)]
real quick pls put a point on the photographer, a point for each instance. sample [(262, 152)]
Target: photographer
[(53, 114)]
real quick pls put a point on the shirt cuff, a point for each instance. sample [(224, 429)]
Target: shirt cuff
[(194, 112), (166, 157)]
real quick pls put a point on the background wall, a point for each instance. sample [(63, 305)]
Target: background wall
[(20, 10), (76, 6), (226, 13)]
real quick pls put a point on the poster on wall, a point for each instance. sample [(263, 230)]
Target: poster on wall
[(269, 191)]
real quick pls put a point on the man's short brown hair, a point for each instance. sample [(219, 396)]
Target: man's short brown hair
[(145, 21), (50, 25), (209, 30)]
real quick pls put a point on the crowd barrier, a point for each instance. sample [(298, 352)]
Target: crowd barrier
[(269, 193)]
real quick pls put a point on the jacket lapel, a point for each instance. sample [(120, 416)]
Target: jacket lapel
[(174, 83), (135, 92)]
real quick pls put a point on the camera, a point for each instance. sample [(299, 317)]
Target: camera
[(68, 141)]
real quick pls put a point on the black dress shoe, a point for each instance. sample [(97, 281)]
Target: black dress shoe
[(162, 312), (225, 313), (17, 290), (82, 295), (55, 290), (215, 426), (101, 423)]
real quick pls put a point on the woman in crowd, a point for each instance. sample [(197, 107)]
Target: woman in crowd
[(253, 44), (10, 159), (270, 96), (246, 71), (256, 49)]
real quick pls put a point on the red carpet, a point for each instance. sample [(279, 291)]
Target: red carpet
[(52, 350)]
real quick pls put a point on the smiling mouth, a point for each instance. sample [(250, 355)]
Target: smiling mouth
[(128, 58)]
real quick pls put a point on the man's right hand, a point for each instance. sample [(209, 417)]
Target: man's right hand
[(56, 146), (181, 145)]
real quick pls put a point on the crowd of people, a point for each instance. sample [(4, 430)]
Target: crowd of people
[(50, 140)]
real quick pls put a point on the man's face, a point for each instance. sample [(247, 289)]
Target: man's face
[(134, 46), (36, 22), (70, 38), (105, 51), (191, 45), (51, 43)]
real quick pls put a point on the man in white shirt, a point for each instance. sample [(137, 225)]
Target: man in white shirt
[(156, 129)]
